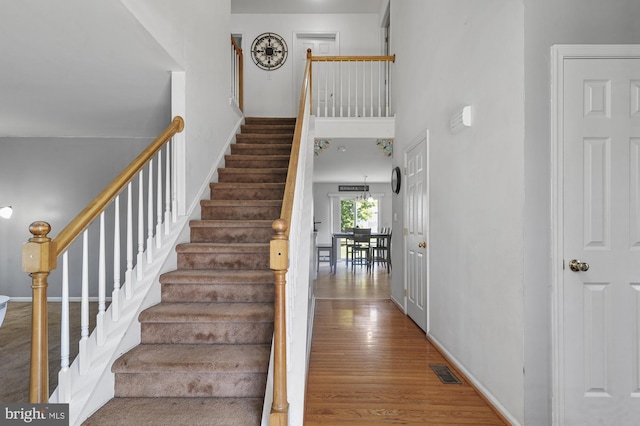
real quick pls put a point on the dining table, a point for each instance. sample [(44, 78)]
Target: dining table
[(376, 237)]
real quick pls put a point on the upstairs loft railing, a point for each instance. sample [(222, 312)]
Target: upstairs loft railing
[(237, 83), (350, 86), (41, 255)]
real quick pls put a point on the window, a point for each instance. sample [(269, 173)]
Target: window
[(355, 213)]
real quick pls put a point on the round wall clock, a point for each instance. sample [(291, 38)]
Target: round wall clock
[(395, 179), (269, 51)]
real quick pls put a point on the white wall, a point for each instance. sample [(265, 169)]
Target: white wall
[(196, 33), (450, 54), (549, 22), (271, 93)]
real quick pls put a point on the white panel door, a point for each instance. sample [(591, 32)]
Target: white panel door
[(322, 46), (416, 222), (601, 200)]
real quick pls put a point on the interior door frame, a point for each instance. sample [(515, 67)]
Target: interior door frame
[(423, 136), (560, 53)]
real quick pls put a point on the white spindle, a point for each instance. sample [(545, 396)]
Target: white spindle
[(128, 273), (167, 192), (159, 203), (326, 88), (64, 381), (115, 296), (371, 88), (387, 82), (150, 215), (317, 77), (355, 83), (349, 89), (379, 90), (102, 284), (341, 86), (139, 262), (333, 89), (83, 357), (364, 90), (174, 181)]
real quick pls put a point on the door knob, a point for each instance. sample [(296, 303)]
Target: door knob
[(422, 245), (577, 266)]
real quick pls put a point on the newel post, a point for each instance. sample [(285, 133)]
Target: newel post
[(279, 263), (39, 259), (310, 79)]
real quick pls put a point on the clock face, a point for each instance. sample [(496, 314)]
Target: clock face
[(395, 179), (269, 51)]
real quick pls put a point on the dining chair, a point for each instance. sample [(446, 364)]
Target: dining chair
[(361, 249), (381, 251)]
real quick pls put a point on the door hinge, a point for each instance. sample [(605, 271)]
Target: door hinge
[(562, 264), (405, 292)]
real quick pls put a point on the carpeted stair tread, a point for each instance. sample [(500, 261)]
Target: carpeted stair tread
[(193, 359), (217, 277), (270, 120), (244, 148), (179, 412), (256, 161), (231, 223), (267, 128), (231, 231), (265, 139), (240, 248), (208, 312), (230, 203)]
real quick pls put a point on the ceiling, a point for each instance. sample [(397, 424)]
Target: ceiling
[(305, 6), (64, 77)]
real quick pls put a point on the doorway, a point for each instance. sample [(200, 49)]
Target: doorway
[(321, 44), (596, 222)]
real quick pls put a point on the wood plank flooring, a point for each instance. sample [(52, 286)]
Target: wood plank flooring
[(15, 346), (370, 363)]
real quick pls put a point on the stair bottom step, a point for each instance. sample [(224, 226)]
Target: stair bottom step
[(178, 411)]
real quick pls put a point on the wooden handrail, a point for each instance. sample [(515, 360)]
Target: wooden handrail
[(40, 253), (391, 58), (240, 57), (279, 263)]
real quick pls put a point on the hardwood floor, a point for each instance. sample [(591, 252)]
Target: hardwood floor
[(370, 364), (15, 346)]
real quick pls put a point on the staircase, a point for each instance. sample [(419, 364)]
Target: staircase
[(205, 348)]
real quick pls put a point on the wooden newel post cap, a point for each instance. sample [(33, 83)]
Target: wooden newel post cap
[(279, 246), (39, 254)]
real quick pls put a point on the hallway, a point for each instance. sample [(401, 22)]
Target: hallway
[(370, 364)]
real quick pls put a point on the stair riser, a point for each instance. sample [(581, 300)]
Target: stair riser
[(270, 129), (223, 293), (257, 163), (254, 149), (270, 120), (264, 139), (241, 212), (252, 177), (194, 385), (231, 235), (238, 333), (228, 261), (246, 194)]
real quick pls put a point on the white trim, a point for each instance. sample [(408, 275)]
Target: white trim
[(560, 53), (470, 377)]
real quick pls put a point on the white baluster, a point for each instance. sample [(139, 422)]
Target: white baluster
[(317, 77), (349, 89), (102, 284), (341, 86), (371, 88), (167, 192), (139, 263), (174, 182), (150, 215), (115, 296), (128, 273), (83, 357), (333, 89), (379, 90), (159, 203), (386, 79), (355, 83), (364, 85), (64, 381)]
